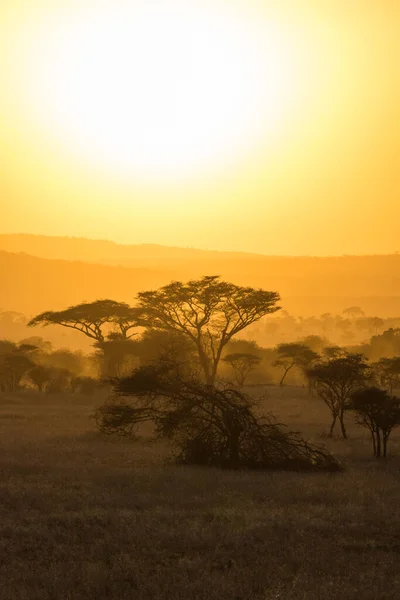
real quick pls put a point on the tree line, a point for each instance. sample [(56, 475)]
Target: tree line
[(195, 322)]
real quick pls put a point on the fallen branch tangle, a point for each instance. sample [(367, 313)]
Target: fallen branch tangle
[(208, 425)]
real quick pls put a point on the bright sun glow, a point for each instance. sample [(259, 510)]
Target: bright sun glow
[(153, 88)]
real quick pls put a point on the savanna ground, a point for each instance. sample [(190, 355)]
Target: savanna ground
[(85, 516)]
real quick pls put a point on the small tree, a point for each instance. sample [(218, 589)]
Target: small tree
[(15, 361), (294, 355), (353, 312), (387, 371), (242, 365), (107, 322), (12, 369), (42, 345), (208, 425), (40, 376), (336, 380), (91, 318), (208, 311), (379, 412)]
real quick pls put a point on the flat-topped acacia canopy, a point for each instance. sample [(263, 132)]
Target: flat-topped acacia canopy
[(90, 317)]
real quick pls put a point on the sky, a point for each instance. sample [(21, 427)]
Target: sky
[(232, 125)]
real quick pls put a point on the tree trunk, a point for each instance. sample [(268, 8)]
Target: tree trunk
[(342, 426), (332, 426), (378, 443), (373, 441), (205, 365), (385, 440), (284, 375)]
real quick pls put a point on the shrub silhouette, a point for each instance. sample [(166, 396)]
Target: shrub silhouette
[(208, 425), (379, 412)]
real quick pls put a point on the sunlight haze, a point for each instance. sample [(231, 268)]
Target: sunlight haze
[(230, 125)]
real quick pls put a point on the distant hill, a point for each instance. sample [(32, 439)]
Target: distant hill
[(40, 273), (98, 251), (31, 284)]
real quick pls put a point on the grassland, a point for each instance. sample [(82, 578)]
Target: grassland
[(87, 517)]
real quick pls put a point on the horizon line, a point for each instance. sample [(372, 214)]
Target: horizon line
[(195, 248)]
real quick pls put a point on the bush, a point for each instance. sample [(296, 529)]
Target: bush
[(208, 425)]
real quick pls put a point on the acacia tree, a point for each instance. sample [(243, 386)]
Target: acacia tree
[(336, 380), (94, 319), (90, 318), (379, 412), (208, 311), (353, 312), (242, 364), (294, 355)]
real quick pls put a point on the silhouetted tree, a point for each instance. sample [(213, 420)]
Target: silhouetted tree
[(208, 311), (294, 354), (42, 345), (387, 371), (14, 363), (209, 425), (375, 324), (12, 369), (386, 344), (242, 364), (353, 312), (379, 412), (40, 376), (91, 317), (336, 380)]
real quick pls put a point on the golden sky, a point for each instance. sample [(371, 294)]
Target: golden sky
[(251, 125)]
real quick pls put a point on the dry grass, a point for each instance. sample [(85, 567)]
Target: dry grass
[(90, 517)]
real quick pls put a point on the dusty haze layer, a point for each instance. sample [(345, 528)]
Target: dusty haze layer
[(61, 271)]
